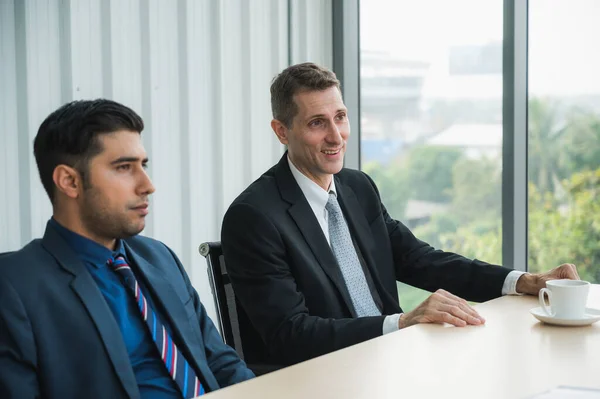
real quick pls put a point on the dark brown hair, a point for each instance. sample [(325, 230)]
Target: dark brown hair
[(291, 81), (69, 136)]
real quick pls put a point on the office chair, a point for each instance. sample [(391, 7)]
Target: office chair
[(235, 326)]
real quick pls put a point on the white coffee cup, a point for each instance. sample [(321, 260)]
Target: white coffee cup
[(567, 298)]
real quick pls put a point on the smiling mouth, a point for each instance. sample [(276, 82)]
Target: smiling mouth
[(331, 152)]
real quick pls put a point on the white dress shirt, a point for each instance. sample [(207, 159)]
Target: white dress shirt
[(317, 199)]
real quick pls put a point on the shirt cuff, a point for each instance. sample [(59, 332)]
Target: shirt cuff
[(510, 283), (390, 323)]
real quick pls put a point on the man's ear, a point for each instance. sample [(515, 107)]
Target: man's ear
[(280, 131), (67, 180)]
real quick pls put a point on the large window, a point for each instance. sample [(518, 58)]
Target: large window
[(564, 135), (431, 120)]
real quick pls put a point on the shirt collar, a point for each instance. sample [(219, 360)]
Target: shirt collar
[(315, 195), (86, 249)]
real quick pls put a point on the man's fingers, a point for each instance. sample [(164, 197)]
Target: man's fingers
[(458, 312), (472, 312), (451, 299), (450, 319), (573, 271), (566, 270)]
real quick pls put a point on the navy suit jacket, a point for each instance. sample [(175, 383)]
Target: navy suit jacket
[(59, 339)]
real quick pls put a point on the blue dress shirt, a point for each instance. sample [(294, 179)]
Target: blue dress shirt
[(151, 374)]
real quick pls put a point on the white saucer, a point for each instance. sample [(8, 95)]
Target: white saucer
[(591, 316)]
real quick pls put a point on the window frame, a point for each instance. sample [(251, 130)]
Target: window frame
[(346, 64)]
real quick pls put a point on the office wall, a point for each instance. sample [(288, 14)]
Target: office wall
[(197, 71)]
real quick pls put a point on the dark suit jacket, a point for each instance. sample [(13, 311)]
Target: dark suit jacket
[(59, 339), (287, 278)]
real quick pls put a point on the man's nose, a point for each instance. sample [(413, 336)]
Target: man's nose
[(146, 187), (334, 135)]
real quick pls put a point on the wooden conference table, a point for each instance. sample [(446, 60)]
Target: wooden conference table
[(511, 356)]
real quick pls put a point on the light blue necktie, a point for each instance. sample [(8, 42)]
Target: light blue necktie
[(345, 253)]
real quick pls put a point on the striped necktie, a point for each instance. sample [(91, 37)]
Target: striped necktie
[(179, 369)]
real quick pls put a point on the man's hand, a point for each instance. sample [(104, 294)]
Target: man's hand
[(442, 307), (532, 283)]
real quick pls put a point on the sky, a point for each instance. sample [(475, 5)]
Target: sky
[(564, 37)]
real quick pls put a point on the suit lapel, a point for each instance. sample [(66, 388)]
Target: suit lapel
[(172, 308), (304, 217), (87, 290)]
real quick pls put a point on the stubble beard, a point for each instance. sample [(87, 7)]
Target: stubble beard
[(100, 221)]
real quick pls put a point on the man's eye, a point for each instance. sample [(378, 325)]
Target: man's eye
[(315, 123), (341, 117), (124, 167)]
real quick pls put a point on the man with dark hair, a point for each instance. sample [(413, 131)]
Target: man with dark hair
[(93, 310), (313, 255)]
